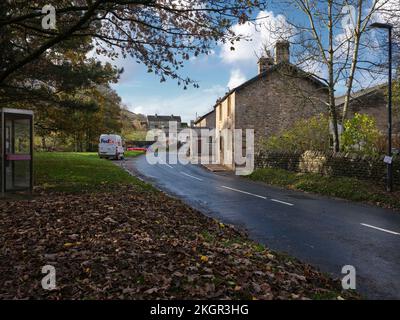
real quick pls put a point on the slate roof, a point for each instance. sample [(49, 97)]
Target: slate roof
[(204, 116), (361, 94), (157, 118)]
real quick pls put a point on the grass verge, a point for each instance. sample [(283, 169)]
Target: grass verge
[(341, 187), (132, 154), (79, 172)]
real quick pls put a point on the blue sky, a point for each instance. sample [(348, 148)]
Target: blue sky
[(143, 93)]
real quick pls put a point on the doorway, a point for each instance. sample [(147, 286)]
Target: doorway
[(17, 150)]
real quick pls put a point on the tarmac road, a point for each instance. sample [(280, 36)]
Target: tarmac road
[(324, 232)]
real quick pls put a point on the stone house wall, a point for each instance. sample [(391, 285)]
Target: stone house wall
[(276, 101), (225, 113), (375, 104), (208, 121)]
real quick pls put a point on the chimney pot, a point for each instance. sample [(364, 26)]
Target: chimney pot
[(264, 63), (282, 51)]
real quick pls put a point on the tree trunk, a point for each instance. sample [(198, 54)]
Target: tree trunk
[(44, 147), (354, 61), (332, 102), (333, 117)]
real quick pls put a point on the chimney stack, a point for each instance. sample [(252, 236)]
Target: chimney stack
[(282, 51), (264, 63)]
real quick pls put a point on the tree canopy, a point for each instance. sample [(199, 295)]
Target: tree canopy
[(161, 34)]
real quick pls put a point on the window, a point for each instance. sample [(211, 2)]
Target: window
[(229, 106), (220, 112)]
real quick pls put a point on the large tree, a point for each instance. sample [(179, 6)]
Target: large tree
[(70, 94), (161, 34), (78, 129)]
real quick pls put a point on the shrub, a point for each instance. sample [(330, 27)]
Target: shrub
[(305, 134), (361, 135)]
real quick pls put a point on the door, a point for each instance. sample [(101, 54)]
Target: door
[(221, 149), (17, 153)]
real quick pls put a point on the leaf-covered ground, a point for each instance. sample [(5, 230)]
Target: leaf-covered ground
[(135, 244)]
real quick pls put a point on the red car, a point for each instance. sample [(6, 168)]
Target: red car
[(137, 149)]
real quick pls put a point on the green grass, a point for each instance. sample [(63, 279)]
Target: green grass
[(340, 187), (78, 172), (132, 154)]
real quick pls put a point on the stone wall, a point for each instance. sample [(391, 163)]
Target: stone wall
[(330, 164)]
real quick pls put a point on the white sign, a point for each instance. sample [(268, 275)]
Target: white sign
[(388, 160)]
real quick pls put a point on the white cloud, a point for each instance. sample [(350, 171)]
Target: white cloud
[(216, 90), (266, 31), (315, 67), (138, 109), (236, 79)]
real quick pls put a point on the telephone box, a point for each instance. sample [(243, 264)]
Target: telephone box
[(16, 137)]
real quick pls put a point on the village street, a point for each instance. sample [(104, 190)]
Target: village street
[(327, 233)]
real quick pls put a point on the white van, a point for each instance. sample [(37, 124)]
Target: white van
[(111, 147)]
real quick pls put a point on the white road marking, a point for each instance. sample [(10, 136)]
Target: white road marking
[(188, 175), (380, 229), (283, 202), (169, 166), (251, 194)]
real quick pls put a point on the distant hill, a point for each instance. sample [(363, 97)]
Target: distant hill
[(133, 121)]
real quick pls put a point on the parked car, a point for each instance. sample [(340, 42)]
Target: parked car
[(138, 149), (111, 147)]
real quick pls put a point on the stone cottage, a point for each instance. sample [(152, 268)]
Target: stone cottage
[(162, 122), (373, 102), (270, 102), (206, 121)]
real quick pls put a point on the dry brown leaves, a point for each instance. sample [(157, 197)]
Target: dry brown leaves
[(139, 245)]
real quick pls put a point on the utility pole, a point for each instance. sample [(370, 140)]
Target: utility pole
[(389, 162)]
